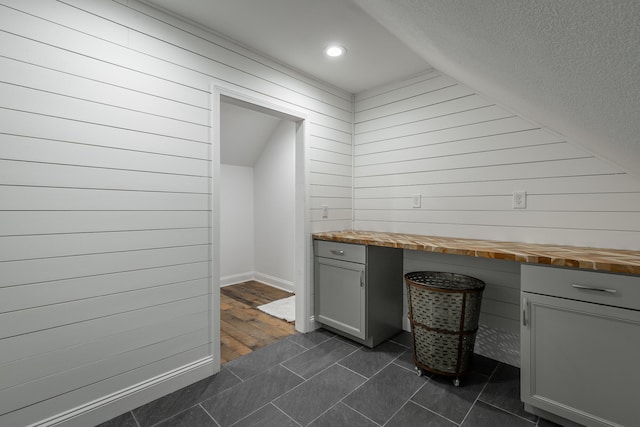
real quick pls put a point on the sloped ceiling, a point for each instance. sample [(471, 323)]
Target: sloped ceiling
[(570, 65), (244, 133), (295, 32)]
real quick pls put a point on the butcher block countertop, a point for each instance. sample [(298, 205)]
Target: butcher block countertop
[(606, 260)]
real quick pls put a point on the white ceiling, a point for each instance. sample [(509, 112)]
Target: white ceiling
[(295, 32), (243, 134), (570, 65)]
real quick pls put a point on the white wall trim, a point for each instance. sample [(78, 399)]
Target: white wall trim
[(276, 282), (214, 226), (302, 233), (233, 279), (111, 405)]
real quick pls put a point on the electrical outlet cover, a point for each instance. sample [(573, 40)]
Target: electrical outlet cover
[(519, 200)]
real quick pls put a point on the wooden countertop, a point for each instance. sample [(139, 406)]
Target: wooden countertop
[(607, 260)]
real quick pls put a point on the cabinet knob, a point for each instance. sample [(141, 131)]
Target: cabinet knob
[(337, 252)]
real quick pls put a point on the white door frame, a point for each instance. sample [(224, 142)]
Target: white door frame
[(302, 227)]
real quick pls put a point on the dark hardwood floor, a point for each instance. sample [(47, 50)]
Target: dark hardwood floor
[(244, 328)]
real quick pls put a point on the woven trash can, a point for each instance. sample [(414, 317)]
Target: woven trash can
[(444, 309)]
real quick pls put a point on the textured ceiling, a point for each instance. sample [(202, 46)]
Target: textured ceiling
[(570, 65)]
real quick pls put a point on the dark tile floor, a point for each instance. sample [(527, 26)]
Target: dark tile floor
[(320, 379)]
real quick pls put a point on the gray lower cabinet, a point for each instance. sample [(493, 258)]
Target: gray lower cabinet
[(580, 346), (358, 290)]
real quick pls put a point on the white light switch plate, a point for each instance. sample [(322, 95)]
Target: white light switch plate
[(416, 200)]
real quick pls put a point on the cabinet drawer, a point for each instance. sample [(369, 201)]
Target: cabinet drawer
[(342, 251), (600, 288)]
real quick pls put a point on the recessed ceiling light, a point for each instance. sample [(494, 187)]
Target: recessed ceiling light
[(335, 51)]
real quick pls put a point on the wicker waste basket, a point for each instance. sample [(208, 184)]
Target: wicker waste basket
[(443, 311)]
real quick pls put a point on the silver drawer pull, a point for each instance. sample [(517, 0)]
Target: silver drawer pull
[(337, 252), (591, 288)]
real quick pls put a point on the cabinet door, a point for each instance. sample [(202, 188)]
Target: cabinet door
[(340, 295), (580, 360)]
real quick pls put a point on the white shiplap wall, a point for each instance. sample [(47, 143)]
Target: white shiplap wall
[(105, 194), (465, 155)]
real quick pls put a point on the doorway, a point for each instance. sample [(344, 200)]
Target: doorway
[(256, 229), (300, 242)]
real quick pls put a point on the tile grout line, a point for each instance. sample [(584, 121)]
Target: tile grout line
[(404, 404), (210, 416), (305, 380), (352, 391), (433, 412), (391, 362), (294, 373), (301, 346), (535, 423), (358, 412), (325, 411), (298, 344), (175, 414), (428, 380), (500, 408), (304, 350), (366, 379), (285, 414), (408, 350), (314, 346), (135, 419), (479, 394), (351, 370), (395, 361), (249, 414), (263, 406), (234, 374)]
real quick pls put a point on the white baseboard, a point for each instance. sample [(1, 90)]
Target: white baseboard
[(276, 282), (312, 325), (233, 279), (114, 404)]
